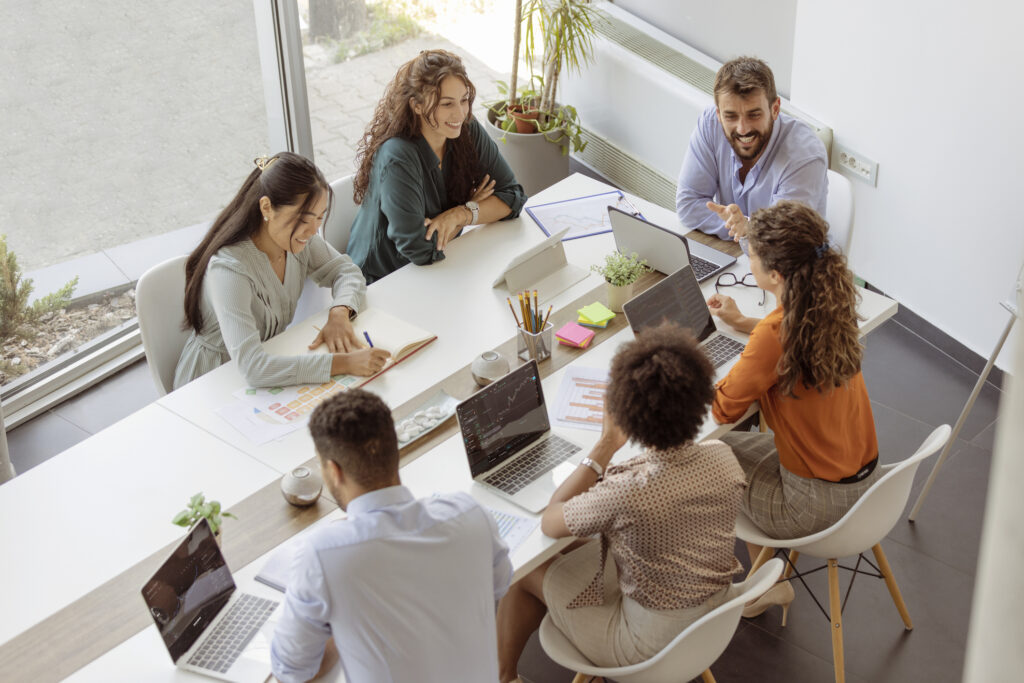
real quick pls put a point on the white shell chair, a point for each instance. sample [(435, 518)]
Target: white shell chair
[(160, 301)]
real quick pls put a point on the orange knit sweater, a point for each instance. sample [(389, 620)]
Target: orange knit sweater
[(826, 435)]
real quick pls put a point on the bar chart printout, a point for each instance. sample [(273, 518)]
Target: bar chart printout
[(581, 398)]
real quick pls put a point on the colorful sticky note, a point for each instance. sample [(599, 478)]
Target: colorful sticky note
[(572, 334), (586, 323), (596, 313)]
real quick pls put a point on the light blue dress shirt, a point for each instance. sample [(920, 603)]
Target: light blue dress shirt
[(407, 588), (793, 165)]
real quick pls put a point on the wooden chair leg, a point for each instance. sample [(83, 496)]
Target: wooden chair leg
[(762, 424), (836, 611), (762, 557), (793, 556), (706, 677), (580, 678), (890, 582)]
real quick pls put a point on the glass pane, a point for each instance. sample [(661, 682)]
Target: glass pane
[(352, 49), (122, 121)]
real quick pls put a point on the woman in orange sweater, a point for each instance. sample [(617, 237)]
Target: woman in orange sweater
[(803, 365)]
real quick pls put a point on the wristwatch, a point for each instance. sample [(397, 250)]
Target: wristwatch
[(594, 465), (475, 208)]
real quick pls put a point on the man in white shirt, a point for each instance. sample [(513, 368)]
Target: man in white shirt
[(406, 587)]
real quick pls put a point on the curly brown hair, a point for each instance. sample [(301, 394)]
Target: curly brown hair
[(660, 387), (819, 334), (355, 430), (419, 80)]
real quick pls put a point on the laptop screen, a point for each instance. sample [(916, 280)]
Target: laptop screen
[(188, 590), (504, 417), (676, 299)]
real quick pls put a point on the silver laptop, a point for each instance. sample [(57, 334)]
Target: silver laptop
[(665, 250), (509, 442), (208, 626), (678, 299)]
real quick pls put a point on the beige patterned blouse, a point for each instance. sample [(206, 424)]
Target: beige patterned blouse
[(667, 519)]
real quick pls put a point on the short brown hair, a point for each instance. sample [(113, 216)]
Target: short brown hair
[(743, 76), (660, 387), (355, 430)]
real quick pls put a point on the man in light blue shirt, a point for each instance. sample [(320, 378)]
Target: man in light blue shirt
[(745, 155), (407, 588)]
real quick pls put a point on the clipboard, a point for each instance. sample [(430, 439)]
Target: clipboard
[(580, 216)]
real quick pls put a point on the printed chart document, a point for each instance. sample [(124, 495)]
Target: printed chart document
[(286, 405), (513, 529), (581, 398), (582, 216)]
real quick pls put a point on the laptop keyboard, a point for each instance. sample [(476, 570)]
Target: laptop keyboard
[(528, 466), (722, 349), (701, 267), (227, 641)]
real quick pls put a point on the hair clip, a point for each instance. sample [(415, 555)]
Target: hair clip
[(263, 162), (821, 249)]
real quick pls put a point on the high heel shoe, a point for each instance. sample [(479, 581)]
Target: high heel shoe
[(780, 594)]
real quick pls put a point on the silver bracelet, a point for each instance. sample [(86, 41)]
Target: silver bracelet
[(594, 465)]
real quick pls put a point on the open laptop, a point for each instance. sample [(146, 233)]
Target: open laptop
[(678, 299), (509, 442), (208, 626), (665, 251)]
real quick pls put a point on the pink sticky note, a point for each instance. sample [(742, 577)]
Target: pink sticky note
[(572, 334)]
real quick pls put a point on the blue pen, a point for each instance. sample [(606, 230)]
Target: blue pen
[(367, 335)]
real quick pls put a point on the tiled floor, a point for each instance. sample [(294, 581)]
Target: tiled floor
[(914, 388)]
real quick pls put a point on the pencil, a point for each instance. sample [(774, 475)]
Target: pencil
[(536, 311), (509, 300), (548, 315), (522, 308)]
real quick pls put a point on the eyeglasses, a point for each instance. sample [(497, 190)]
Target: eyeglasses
[(627, 206), (729, 280)]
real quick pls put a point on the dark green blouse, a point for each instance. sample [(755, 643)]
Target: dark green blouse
[(406, 186)]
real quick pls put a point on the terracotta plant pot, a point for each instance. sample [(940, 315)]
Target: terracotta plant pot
[(526, 120)]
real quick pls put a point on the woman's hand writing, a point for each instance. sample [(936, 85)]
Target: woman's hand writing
[(364, 362), (337, 332)]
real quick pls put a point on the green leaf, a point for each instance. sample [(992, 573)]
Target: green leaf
[(228, 514), (183, 518), (215, 504), (197, 499)]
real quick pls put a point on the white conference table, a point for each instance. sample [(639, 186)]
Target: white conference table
[(150, 475)]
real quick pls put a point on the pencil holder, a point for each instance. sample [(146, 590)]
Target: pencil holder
[(534, 345)]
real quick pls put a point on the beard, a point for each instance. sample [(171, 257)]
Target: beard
[(760, 139)]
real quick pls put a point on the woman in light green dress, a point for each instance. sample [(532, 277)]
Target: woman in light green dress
[(243, 281)]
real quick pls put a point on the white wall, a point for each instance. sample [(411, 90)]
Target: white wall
[(728, 28), (934, 93)]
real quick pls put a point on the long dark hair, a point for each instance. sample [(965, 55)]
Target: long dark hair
[(820, 339), (419, 80), (283, 178)]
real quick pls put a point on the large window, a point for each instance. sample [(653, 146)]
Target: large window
[(122, 122)]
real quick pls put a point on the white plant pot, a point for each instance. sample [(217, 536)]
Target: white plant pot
[(617, 296), (536, 162)]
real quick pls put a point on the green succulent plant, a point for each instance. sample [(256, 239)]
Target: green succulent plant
[(200, 508), (621, 270)]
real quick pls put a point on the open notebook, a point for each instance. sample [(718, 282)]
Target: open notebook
[(287, 405)]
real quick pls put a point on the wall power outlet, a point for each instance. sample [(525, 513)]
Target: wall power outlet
[(855, 164)]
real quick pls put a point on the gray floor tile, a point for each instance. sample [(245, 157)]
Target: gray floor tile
[(40, 439), (135, 258), (756, 655), (876, 646), (909, 375), (987, 438), (113, 399), (899, 435), (948, 526), (95, 272)]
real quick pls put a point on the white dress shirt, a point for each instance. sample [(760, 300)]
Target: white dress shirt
[(407, 588)]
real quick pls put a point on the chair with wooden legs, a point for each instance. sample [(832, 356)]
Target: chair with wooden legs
[(690, 654), (863, 527)]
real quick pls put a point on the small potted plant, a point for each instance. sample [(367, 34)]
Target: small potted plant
[(620, 272), (200, 508)]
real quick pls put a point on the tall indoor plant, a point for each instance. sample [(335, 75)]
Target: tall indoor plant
[(536, 130)]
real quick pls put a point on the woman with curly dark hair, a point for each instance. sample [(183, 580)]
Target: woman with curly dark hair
[(802, 364), (664, 556), (426, 169)]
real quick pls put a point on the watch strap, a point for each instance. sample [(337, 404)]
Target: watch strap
[(594, 465)]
